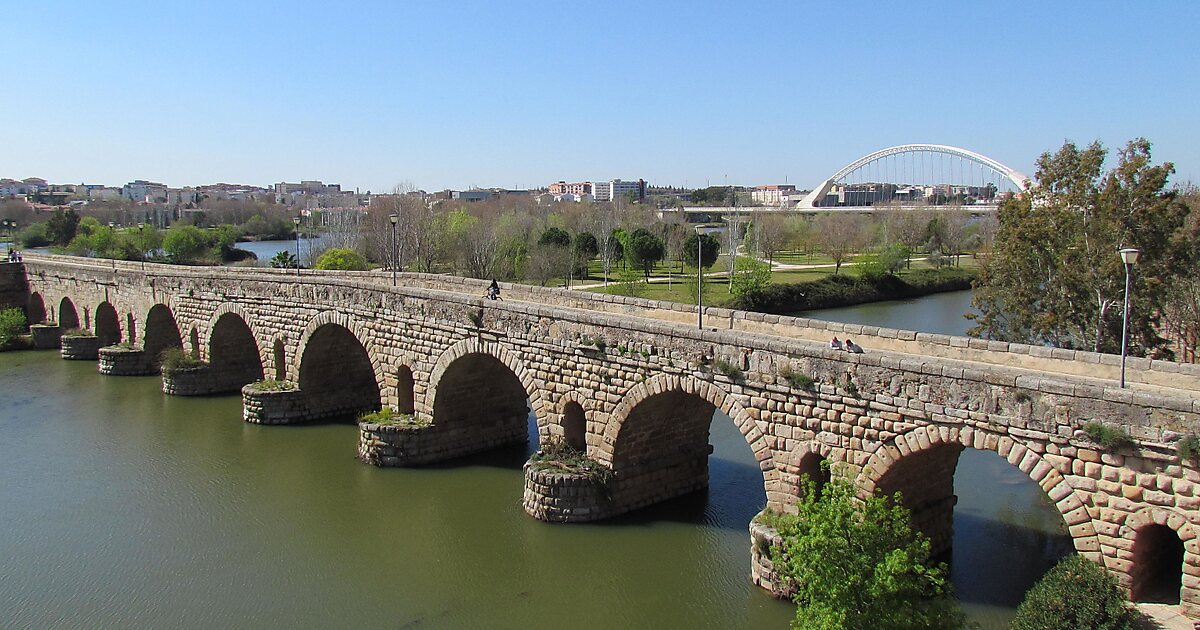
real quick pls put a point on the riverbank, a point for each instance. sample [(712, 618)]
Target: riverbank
[(843, 290)]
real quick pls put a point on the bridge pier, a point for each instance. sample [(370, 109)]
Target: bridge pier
[(46, 336), (279, 403), (80, 347), (125, 361), (406, 444)]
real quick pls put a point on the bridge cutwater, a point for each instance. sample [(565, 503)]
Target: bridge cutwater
[(634, 383)]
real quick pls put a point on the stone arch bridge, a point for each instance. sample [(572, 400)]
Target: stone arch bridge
[(634, 384)]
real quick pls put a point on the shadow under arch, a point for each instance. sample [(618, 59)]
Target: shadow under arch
[(336, 374), (656, 441), (480, 398), (920, 464), (68, 317), (233, 355), (107, 324), (162, 332), (35, 311)]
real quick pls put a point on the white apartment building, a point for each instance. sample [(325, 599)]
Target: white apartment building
[(142, 190), (617, 189), (772, 194)]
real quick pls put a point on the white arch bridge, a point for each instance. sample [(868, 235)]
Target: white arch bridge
[(914, 172)]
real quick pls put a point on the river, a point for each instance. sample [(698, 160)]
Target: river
[(125, 507)]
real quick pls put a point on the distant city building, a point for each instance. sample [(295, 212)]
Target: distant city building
[(575, 188), (307, 187), (618, 189), (104, 193), (142, 190), (772, 194)]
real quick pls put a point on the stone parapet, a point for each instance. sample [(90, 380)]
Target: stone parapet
[(46, 336), (125, 361), (273, 406), (559, 496), (80, 348)]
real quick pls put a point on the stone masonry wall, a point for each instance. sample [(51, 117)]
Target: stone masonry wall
[(864, 413), (14, 290)]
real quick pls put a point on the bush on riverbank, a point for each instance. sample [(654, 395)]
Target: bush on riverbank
[(1077, 593), (12, 325), (842, 290)]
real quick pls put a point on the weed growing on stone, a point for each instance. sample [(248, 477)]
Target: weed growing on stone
[(176, 360), (1111, 438), (558, 456), (733, 372), (272, 385), (850, 387), (799, 380), (1188, 448), (388, 417), (77, 332)]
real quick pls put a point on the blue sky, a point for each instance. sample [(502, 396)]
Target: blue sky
[(445, 94)]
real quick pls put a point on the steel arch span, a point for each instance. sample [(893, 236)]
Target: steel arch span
[(1020, 180)]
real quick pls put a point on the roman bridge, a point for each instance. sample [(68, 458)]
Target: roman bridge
[(634, 385)]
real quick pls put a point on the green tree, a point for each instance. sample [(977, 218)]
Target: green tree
[(284, 259), (184, 243), (1055, 276), (556, 237), (859, 564), (61, 227), (710, 249), (341, 259), (12, 324), (644, 250), (1077, 594)]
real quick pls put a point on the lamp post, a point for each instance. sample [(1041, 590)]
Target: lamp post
[(394, 218), (1129, 256), (111, 227), (296, 222), (699, 280), (142, 244)]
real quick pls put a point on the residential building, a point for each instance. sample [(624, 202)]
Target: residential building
[(574, 188), (142, 190), (771, 194), (618, 189)]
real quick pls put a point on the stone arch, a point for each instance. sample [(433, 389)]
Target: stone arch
[(1160, 552), (574, 425), (405, 390), (480, 396), (944, 443), (107, 324), (533, 388), (162, 332), (68, 317), (635, 438), (35, 311), (337, 375), (233, 353), (350, 323)]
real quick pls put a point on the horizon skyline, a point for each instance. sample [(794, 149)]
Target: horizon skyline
[(519, 97)]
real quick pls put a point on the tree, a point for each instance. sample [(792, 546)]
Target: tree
[(341, 259), (555, 236), (1055, 277), (1077, 594), (710, 250), (840, 235), (61, 226), (644, 249), (859, 564), (284, 259), (184, 243)]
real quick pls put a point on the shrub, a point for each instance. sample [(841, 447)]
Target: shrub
[(77, 332), (387, 417), (176, 360), (733, 372), (12, 324), (556, 455), (841, 290), (799, 380), (272, 385), (1188, 448), (1077, 593), (341, 259), (1111, 438), (860, 564)]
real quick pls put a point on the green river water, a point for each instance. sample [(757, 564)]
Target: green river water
[(123, 507)]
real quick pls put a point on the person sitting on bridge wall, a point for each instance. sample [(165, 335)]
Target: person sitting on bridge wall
[(852, 347), (835, 344)]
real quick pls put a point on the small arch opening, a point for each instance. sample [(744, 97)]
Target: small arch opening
[(233, 353), (405, 398), (336, 375), (36, 311), (280, 361), (811, 466), (1157, 574), (575, 426), (131, 326), (68, 317), (107, 325)]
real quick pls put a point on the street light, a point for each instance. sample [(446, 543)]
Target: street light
[(394, 218), (1129, 256), (112, 225), (699, 280), (141, 244), (296, 222)]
